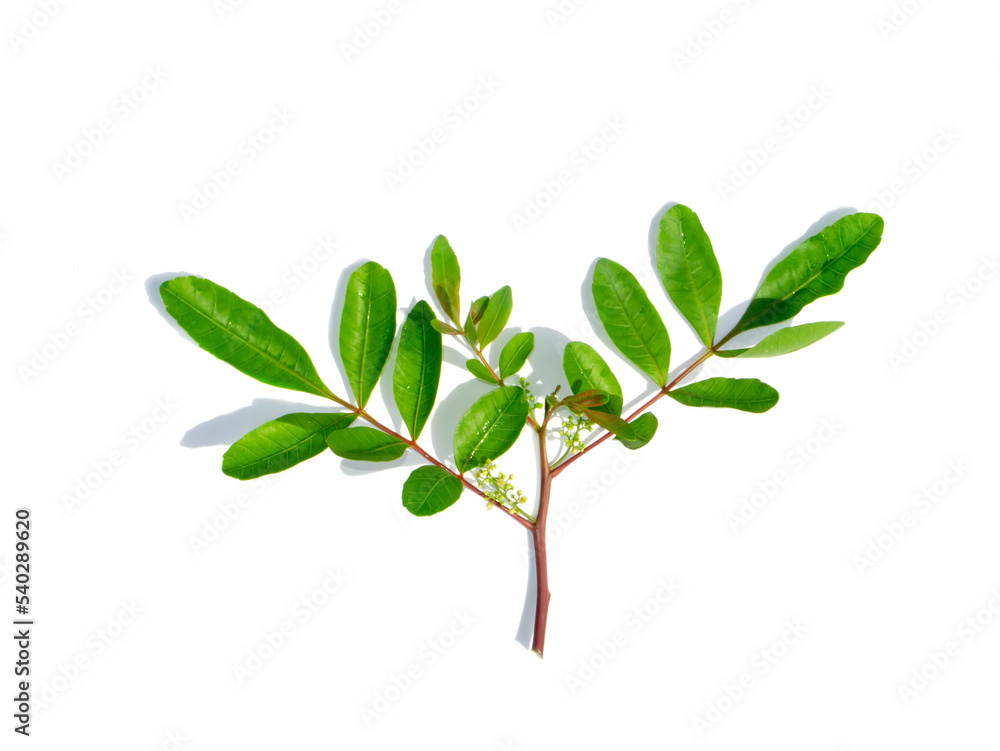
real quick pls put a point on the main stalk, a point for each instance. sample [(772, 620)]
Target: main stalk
[(538, 535)]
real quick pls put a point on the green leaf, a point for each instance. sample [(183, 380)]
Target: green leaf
[(496, 315), (429, 490), (366, 445), (475, 313), (367, 328), (446, 278), (240, 334), (631, 320), (786, 340), (444, 328), (279, 444), (490, 427), (816, 268), (585, 370), (690, 270), (515, 353), (644, 427), (480, 371), (418, 368), (745, 394), (612, 423)]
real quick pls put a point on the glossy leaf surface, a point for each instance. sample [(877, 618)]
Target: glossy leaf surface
[(365, 445), (585, 369), (495, 316), (490, 427), (446, 278), (816, 268), (418, 368), (644, 427), (786, 340), (430, 490), (689, 270), (240, 333), (282, 443), (515, 353), (745, 394), (367, 328), (631, 320)]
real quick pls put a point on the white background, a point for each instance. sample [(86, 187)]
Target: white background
[(904, 404)]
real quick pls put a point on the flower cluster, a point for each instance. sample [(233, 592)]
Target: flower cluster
[(571, 428), (499, 488)]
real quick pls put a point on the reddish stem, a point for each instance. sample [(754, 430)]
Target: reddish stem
[(542, 595)]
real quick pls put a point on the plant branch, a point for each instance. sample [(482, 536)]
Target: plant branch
[(656, 397), (542, 594), (420, 450)]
